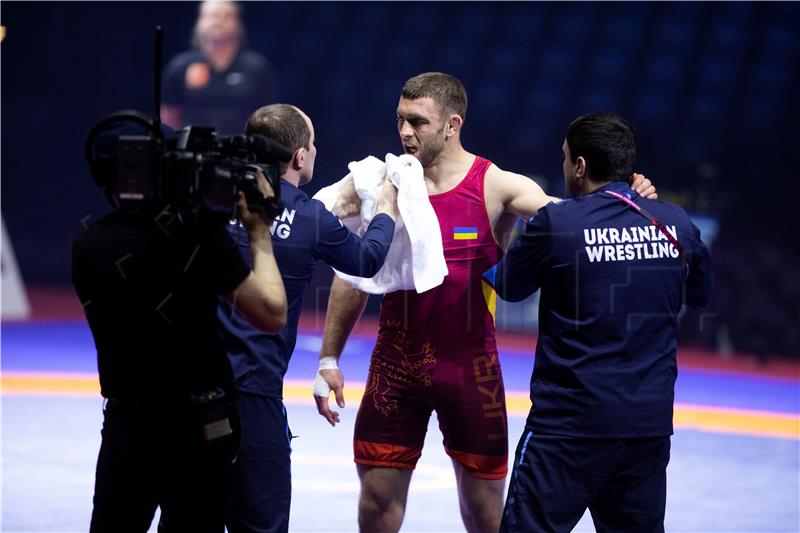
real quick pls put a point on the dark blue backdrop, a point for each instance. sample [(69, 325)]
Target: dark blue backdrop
[(710, 88)]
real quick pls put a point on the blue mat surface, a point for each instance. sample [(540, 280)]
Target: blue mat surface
[(68, 347), (717, 482)]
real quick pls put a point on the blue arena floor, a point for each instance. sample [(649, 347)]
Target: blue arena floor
[(735, 454)]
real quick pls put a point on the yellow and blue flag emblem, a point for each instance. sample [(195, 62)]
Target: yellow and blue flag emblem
[(465, 233)]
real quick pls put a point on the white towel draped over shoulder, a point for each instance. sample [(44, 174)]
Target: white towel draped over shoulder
[(416, 259)]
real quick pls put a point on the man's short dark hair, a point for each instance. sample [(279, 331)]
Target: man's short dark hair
[(446, 90), (608, 144), (282, 123)]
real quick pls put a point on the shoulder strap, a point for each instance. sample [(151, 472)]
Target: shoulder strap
[(653, 220)]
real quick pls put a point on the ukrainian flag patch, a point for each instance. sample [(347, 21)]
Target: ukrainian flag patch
[(465, 233)]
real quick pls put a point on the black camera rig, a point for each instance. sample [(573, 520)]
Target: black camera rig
[(145, 167)]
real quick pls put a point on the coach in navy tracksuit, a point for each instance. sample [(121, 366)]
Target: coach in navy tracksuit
[(613, 282), (304, 234)]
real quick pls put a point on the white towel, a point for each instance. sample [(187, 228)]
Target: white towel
[(416, 257)]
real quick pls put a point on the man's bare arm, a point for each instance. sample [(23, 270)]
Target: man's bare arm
[(508, 197), (261, 296), (523, 197), (345, 306)]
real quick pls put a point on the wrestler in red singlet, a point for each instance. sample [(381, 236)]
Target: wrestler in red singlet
[(437, 351)]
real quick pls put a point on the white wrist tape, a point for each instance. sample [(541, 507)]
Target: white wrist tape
[(328, 363), (321, 387)]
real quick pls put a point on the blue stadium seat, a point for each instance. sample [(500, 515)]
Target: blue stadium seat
[(523, 24), (653, 104), (508, 61), (557, 62), (457, 56), (373, 16), (623, 28), (743, 12), (324, 13), (782, 38), (356, 51), (598, 98), (306, 47), (718, 71), (677, 33), (534, 133), (761, 109), (473, 20), (788, 12), (634, 10), (729, 36), (693, 148), (493, 98), (664, 67), (611, 63), (575, 17), (574, 27), (543, 99), (404, 56), (707, 108), (773, 73), (340, 86)]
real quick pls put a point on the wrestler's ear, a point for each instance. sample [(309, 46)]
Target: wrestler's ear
[(454, 123)]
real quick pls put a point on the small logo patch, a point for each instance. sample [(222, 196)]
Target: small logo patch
[(198, 75), (465, 233)]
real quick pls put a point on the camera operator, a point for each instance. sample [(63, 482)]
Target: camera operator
[(302, 235), (150, 294)]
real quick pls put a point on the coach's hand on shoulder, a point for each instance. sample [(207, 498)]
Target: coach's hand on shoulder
[(643, 186)]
